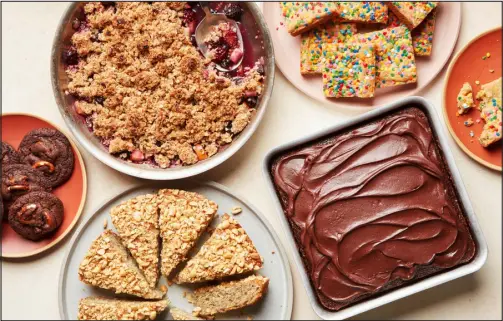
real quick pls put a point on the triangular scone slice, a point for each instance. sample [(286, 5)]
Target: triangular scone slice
[(107, 265), (183, 217), (137, 221), (99, 308), (178, 314), (229, 296), (229, 251)]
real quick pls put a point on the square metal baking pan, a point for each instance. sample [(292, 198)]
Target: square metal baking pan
[(406, 290)]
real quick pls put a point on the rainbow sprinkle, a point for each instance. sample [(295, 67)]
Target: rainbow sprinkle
[(349, 70), (394, 55), (313, 40)]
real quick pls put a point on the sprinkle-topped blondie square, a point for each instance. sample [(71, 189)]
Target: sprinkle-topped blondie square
[(349, 70), (395, 60), (422, 36), (313, 40), (412, 13), (365, 11), (303, 16)]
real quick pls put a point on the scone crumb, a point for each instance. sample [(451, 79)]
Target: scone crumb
[(236, 210)]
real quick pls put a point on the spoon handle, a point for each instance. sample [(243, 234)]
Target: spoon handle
[(205, 5)]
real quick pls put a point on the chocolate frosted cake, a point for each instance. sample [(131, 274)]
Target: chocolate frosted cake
[(373, 208)]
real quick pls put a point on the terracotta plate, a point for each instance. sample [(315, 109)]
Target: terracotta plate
[(468, 66), (287, 51), (72, 193)]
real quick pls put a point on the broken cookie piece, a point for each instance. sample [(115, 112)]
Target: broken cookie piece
[(465, 99)]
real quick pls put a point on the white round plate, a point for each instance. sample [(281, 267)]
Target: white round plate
[(287, 51), (276, 305)]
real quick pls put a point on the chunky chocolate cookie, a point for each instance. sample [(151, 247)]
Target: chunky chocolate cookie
[(36, 215), (9, 154), (20, 179), (50, 152)]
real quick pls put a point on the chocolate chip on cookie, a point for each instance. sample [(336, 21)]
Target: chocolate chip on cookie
[(36, 215), (20, 179), (9, 154), (50, 152)]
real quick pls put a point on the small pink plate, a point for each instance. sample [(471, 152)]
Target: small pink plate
[(287, 52)]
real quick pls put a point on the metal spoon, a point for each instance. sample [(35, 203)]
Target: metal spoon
[(204, 28)]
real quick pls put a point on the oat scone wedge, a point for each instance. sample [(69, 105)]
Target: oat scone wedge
[(229, 296), (137, 221), (107, 265), (229, 251), (179, 314), (183, 217), (99, 308)]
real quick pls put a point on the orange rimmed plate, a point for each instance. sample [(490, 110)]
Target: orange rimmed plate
[(72, 193), (468, 66)]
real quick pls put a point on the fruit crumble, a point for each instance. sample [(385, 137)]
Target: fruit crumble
[(145, 90)]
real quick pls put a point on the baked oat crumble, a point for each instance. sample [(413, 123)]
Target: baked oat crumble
[(147, 92)]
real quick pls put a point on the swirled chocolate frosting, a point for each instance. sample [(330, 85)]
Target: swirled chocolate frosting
[(373, 208)]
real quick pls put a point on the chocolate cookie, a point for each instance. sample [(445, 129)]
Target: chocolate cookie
[(50, 152), (20, 179), (36, 215), (9, 154)]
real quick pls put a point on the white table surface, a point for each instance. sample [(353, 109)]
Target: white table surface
[(30, 287)]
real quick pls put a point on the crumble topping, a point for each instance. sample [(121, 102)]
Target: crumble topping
[(148, 92)]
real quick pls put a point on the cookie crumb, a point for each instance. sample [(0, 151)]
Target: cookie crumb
[(184, 294), (468, 122), (249, 317), (105, 224), (477, 82), (164, 288), (170, 283), (273, 252), (491, 70), (488, 54), (472, 134)]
